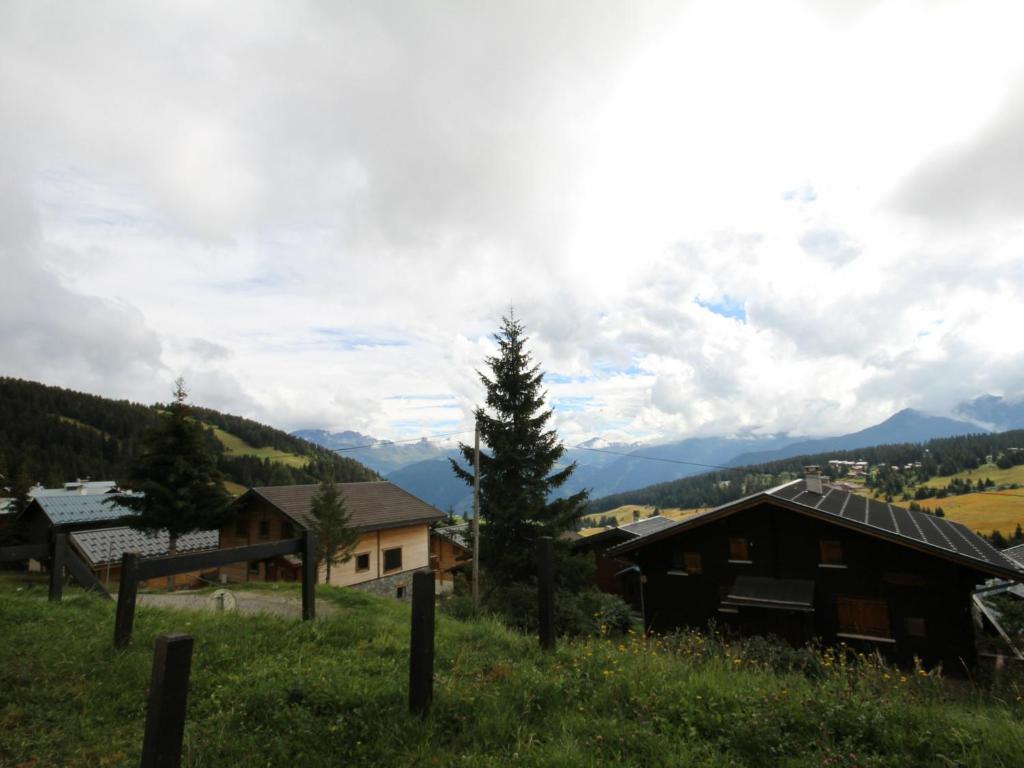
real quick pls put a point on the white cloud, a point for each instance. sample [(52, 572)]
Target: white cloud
[(318, 211)]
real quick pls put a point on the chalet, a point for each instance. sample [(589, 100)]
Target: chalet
[(451, 549), (610, 572), (394, 529), (101, 550), (67, 512), (806, 560)]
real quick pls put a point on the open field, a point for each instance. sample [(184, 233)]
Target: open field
[(236, 446), (270, 691), (997, 475), (235, 489), (985, 512)]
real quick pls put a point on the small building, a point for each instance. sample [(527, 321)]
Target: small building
[(101, 550), (612, 574), (394, 529), (451, 549), (807, 560), (64, 513)]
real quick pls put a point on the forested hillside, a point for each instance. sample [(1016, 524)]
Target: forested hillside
[(50, 435), (943, 456)]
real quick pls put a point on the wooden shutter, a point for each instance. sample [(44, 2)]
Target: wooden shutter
[(863, 616), (831, 552), (738, 549)]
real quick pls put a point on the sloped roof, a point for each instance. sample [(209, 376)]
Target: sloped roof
[(617, 534), (460, 534), (71, 509), (371, 505), (106, 545), (1016, 554), (919, 530), (648, 525)]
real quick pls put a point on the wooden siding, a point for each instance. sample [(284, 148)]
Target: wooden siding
[(915, 588), (446, 556)]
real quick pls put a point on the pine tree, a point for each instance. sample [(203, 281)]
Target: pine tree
[(335, 537), (520, 472), (178, 477)]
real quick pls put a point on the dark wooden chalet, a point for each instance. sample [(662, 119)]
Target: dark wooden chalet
[(807, 560)]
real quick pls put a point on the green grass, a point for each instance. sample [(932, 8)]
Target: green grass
[(270, 692), (998, 476), (236, 446)]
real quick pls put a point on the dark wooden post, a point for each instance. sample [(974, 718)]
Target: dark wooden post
[(308, 575), (168, 695), (58, 547), (421, 645), (124, 619), (546, 592)]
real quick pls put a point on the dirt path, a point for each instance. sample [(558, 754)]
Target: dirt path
[(245, 602)]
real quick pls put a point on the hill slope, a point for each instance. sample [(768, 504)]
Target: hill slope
[(334, 692), (56, 434), (906, 426)]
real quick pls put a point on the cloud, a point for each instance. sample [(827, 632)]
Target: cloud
[(980, 178)]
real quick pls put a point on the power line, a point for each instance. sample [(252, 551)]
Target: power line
[(653, 458)]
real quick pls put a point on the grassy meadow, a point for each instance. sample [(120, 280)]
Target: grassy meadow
[(236, 446), (268, 691)]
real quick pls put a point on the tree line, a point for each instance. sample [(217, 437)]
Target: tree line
[(50, 435)]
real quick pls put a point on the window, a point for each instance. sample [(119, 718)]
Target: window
[(287, 529), (693, 563), (254, 567), (915, 627), (831, 552), (241, 526), (400, 592), (392, 559), (264, 529), (863, 617), (362, 562), (739, 550)]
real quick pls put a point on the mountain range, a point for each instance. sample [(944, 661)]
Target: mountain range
[(423, 468)]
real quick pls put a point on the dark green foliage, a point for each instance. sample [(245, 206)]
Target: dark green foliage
[(54, 435), (177, 475), (518, 475), (335, 536)]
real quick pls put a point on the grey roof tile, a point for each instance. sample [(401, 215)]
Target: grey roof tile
[(74, 508), (106, 545)]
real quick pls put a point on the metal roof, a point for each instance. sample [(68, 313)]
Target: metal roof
[(106, 545), (1016, 554), (73, 508), (648, 525), (81, 487), (371, 505), (918, 529), (766, 592), (457, 534)]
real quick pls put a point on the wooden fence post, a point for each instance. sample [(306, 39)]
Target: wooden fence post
[(124, 619), (58, 548), (168, 695), (421, 645), (308, 575), (546, 592)]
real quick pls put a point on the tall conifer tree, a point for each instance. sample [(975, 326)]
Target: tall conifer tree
[(519, 471), (335, 537), (177, 474)]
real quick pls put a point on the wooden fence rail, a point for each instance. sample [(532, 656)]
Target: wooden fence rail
[(60, 556), (134, 569)]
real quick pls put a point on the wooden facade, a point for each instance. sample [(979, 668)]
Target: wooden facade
[(394, 528), (763, 566), (448, 554)]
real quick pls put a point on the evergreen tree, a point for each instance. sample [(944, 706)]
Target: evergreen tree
[(335, 537), (520, 472), (178, 477)]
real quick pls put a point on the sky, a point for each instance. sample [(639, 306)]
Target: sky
[(713, 218)]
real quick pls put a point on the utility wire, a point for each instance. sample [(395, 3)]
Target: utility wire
[(653, 458)]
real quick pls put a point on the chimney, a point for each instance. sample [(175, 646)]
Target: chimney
[(812, 475), (636, 515)]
